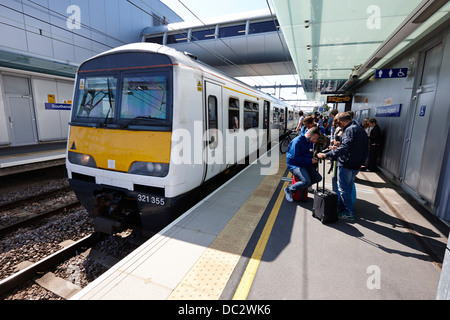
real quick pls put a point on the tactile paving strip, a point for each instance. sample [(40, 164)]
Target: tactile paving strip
[(209, 276)]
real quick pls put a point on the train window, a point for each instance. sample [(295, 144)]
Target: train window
[(212, 122), (232, 31), (233, 114), (144, 95), (96, 97), (282, 116), (203, 35), (276, 115), (266, 26), (176, 38), (251, 115)]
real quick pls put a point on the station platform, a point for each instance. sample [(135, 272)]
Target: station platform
[(245, 241), (27, 158)]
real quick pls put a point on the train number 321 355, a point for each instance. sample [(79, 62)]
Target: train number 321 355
[(151, 199)]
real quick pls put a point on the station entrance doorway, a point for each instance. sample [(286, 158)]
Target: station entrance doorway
[(20, 111)]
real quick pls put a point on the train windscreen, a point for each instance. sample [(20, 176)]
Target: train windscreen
[(132, 96)]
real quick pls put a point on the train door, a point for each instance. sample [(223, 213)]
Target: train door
[(415, 169), (214, 146), (21, 115)]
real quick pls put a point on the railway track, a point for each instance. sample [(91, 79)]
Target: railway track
[(62, 274), (33, 223), (21, 277), (48, 249), (28, 218), (24, 212), (36, 197)]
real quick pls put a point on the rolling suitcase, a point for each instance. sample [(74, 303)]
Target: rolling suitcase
[(325, 203), (300, 195)]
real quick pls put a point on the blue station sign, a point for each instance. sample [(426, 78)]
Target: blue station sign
[(389, 111), (58, 106), (391, 73)]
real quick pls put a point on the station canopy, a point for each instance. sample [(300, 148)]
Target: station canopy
[(336, 43)]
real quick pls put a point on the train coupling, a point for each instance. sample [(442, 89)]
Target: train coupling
[(110, 212)]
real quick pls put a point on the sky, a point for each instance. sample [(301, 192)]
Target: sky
[(214, 8)]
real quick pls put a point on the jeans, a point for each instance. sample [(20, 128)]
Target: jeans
[(347, 190), (306, 176)]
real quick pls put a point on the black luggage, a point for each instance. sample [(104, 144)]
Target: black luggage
[(325, 202)]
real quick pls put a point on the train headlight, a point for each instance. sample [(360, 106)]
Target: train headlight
[(149, 169), (82, 159)]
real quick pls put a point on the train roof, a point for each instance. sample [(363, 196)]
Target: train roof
[(184, 59)]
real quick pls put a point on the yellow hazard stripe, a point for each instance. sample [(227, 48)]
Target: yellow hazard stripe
[(250, 272)]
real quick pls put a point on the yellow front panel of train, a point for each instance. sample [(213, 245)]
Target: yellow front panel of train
[(118, 149)]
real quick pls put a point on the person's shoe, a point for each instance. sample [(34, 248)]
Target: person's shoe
[(288, 194), (346, 216)]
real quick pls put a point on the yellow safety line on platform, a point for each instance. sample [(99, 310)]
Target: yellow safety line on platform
[(210, 274), (250, 272)]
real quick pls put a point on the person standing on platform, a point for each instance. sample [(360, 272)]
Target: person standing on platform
[(301, 162), (308, 123), (300, 121), (374, 144), (333, 114), (350, 154)]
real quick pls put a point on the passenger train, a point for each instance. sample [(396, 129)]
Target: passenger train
[(150, 124)]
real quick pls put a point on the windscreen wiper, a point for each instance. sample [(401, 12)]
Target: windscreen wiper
[(110, 104), (136, 118)]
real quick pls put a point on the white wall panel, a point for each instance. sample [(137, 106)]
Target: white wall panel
[(49, 122), (4, 133)]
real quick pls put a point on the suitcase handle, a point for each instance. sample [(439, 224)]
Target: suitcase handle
[(323, 177)]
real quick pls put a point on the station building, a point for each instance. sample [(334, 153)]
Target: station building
[(43, 43), (414, 114), (391, 59)]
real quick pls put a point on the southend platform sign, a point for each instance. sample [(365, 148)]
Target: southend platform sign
[(58, 106), (391, 73), (389, 111)]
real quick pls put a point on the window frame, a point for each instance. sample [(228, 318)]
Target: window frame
[(213, 126), (251, 108), (234, 109), (234, 33), (116, 122)]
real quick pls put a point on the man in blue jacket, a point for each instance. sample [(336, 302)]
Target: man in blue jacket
[(350, 154), (300, 162)]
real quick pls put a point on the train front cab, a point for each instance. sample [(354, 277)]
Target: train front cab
[(119, 145)]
